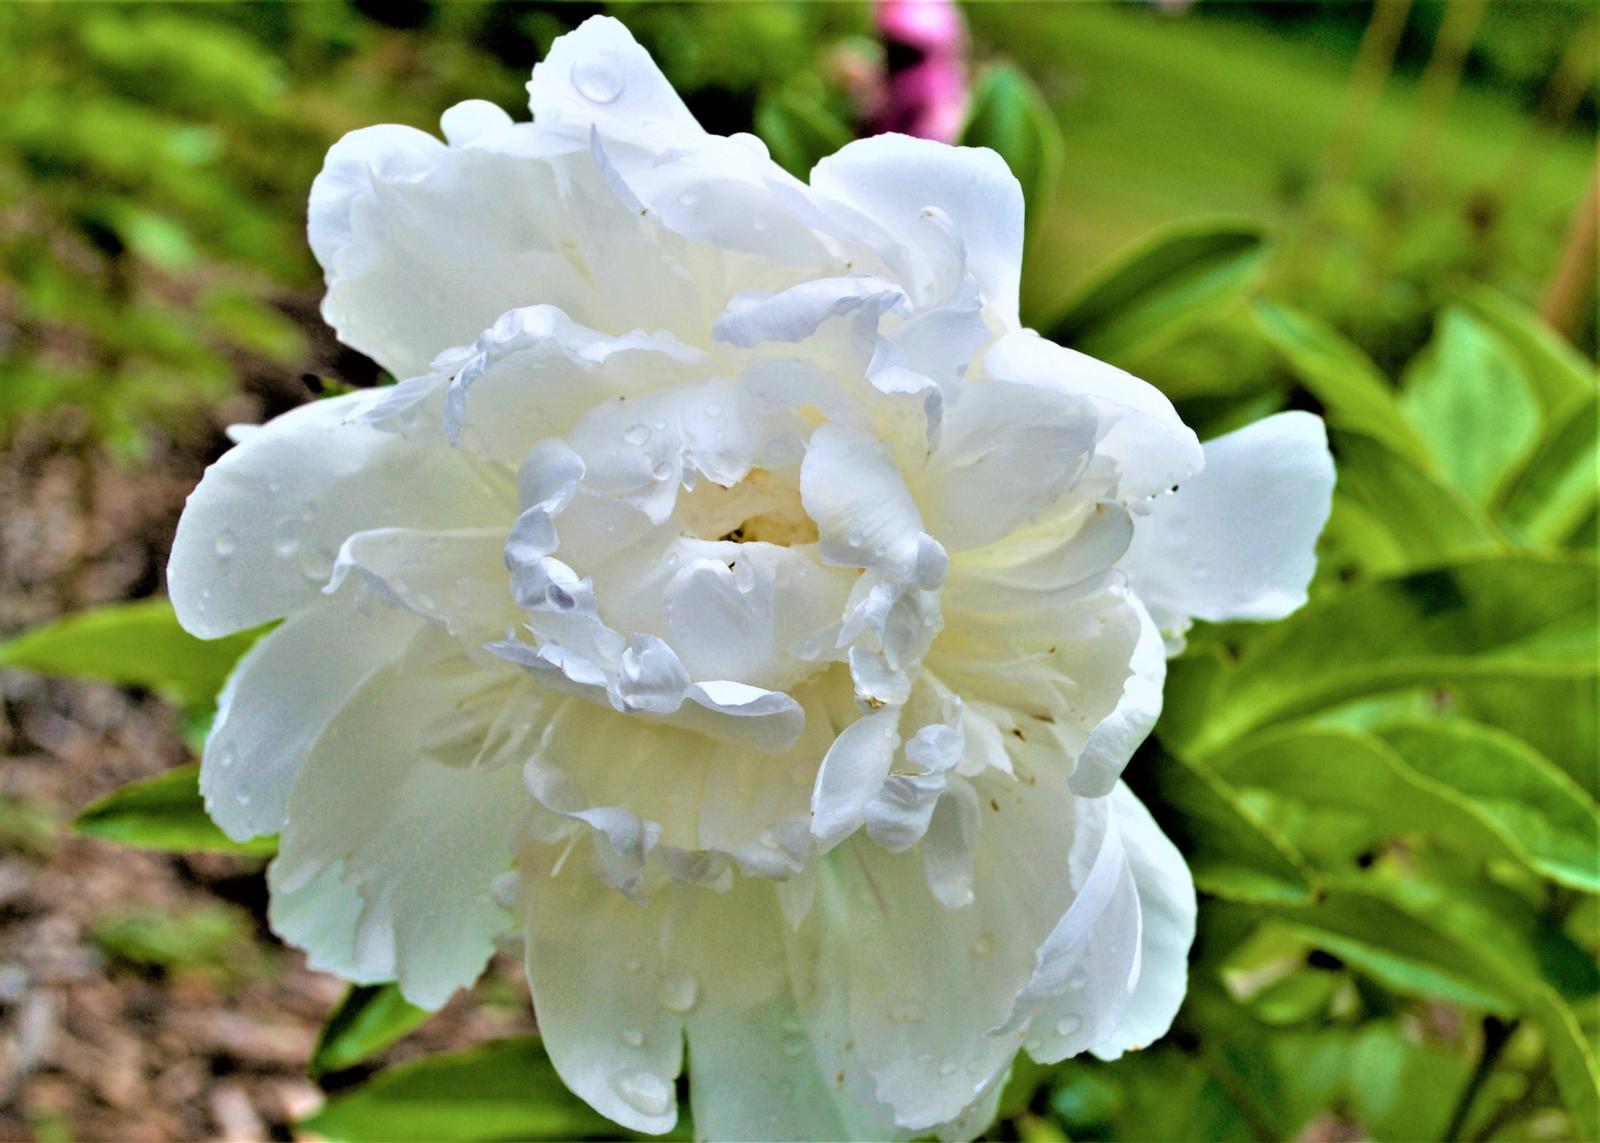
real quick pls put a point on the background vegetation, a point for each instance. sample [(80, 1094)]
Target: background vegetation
[(1375, 212)]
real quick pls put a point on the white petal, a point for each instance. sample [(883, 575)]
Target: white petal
[(424, 246), (417, 840), (455, 578), (851, 775), (1167, 903), (797, 313), (1143, 435), (260, 533), (1239, 540), (1113, 742), (863, 511), (1006, 453), (891, 179), (278, 699), (600, 975), (598, 76)]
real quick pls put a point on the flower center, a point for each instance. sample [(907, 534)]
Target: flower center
[(763, 507)]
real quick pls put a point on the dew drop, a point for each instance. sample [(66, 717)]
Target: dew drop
[(227, 757), (316, 563), (227, 543), (646, 1093), (713, 410), (598, 78), (983, 946), (284, 540), (1078, 978), (505, 888), (1067, 1025), (308, 513), (637, 434), (769, 839), (947, 1069), (243, 797), (854, 539), (679, 992), (633, 1038), (661, 470)]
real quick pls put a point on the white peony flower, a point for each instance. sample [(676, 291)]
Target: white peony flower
[(733, 601)]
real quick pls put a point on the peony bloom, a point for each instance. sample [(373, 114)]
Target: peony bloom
[(733, 603)]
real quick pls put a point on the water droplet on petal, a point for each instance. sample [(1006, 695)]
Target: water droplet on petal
[(1078, 978), (646, 1093), (947, 1069), (598, 78), (633, 1038), (1067, 1025), (637, 434), (284, 540), (308, 513), (679, 992), (983, 946), (713, 410), (227, 757), (316, 563), (243, 797), (227, 543), (769, 838), (661, 470), (854, 539)]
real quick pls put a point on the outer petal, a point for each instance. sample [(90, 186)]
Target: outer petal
[(892, 179), (864, 513), (260, 533), (415, 841), (598, 76), (1167, 902), (277, 701), (1239, 540), (1113, 742), (424, 246)]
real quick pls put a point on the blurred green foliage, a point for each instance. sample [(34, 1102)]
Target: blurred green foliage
[(1388, 800)]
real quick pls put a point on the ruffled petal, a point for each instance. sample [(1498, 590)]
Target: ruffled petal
[(259, 535), (893, 179), (1142, 435), (597, 76), (1114, 740), (1239, 540)]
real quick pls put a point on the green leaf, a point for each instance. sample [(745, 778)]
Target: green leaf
[(1231, 852), (138, 644), (367, 1020), (1535, 805), (1558, 490), (165, 813), (1506, 615), (1558, 375), (1352, 389), (1010, 116), (798, 130), (1390, 516), (1467, 397), (1162, 288), (1572, 1059), (1476, 788), (504, 1090), (1405, 952)]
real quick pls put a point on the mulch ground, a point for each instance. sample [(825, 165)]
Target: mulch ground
[(101, 1038)]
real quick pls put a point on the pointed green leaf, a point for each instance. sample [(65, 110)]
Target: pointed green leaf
[(1467, 398), (1352, 389), (1231, 852), (1558, 490), (1162, 288), (1390, 516), (1009, 116), (505, 1090), (1505, 615), (1542, 812), (1559, 375), (166, 813), (367, 1020), (138, 643)]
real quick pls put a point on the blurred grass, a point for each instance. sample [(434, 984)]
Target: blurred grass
[(1165, 118)]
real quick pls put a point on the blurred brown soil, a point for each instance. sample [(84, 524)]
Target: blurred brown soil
[(96, 1045)]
